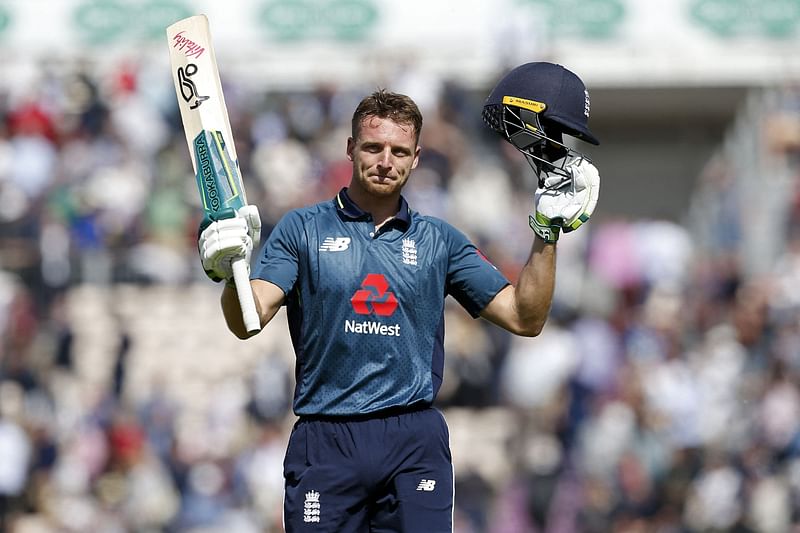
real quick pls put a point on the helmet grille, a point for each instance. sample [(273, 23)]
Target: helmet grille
[(493, 117), (523, 129)]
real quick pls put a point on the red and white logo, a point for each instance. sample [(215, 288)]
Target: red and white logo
[(374, 297)]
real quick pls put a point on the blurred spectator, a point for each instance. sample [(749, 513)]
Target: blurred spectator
[(16, 451), (662, 395)]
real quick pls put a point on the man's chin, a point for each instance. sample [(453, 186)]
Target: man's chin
[(383, 188)]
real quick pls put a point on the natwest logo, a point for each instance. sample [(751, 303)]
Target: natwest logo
[(374, 297)]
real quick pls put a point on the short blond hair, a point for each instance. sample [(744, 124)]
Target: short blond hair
[(385, 104)]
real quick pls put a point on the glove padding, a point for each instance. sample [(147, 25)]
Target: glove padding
[(250, 214), (231, 236), (562, 203)]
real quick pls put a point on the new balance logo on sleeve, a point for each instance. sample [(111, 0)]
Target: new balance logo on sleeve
[(334, 244), (427, 485)]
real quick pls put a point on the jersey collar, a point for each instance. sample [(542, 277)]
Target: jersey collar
[(348, 208)]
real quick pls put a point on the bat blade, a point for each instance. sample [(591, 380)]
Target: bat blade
[(197, 83), (208, 135)]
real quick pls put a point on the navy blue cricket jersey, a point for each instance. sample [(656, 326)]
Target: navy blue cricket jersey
[(366, 307)]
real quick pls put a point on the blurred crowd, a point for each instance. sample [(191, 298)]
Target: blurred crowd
[(662, 396)]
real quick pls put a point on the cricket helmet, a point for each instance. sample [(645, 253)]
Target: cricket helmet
[(533, 105)]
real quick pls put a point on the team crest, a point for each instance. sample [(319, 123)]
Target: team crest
[(311, 507), (409, 252)]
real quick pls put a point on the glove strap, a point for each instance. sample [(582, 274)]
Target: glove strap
[(213, 216), (577, 224), (544, 228), (215, 278)]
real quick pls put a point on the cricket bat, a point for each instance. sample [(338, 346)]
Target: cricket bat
[(208, 134)]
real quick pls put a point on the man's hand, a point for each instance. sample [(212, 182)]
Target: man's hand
[(565, 203), (232, 236)]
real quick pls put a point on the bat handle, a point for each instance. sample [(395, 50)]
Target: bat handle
[(241, 278)]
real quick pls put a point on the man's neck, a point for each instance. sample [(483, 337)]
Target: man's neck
[(381, 208)]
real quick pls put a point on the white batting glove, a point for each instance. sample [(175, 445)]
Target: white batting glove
[(565, 203), (226, 240)]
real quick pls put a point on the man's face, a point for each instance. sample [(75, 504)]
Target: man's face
[(383, 155)]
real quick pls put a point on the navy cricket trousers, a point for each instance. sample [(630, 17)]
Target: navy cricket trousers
[(390, 473)]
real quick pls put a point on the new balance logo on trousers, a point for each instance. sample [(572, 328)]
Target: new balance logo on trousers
[(427, 485)]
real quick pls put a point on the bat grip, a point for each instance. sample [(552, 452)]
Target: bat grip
[(241, 278)]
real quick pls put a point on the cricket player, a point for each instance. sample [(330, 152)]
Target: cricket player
[(364, 278)]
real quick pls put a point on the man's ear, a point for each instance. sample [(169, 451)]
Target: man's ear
[(351, 144), (416, 157)]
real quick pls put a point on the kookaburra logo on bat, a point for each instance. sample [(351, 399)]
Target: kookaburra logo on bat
[(188, 87)]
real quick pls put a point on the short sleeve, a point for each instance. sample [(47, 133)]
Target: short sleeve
[(471, 278), (279, 260)]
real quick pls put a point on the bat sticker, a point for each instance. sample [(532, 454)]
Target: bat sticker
[(188, 86), (216, 175)]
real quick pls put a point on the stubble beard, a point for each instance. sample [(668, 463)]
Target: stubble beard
[(382, 188)]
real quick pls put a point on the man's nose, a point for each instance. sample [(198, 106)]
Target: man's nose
[(385, 160)]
